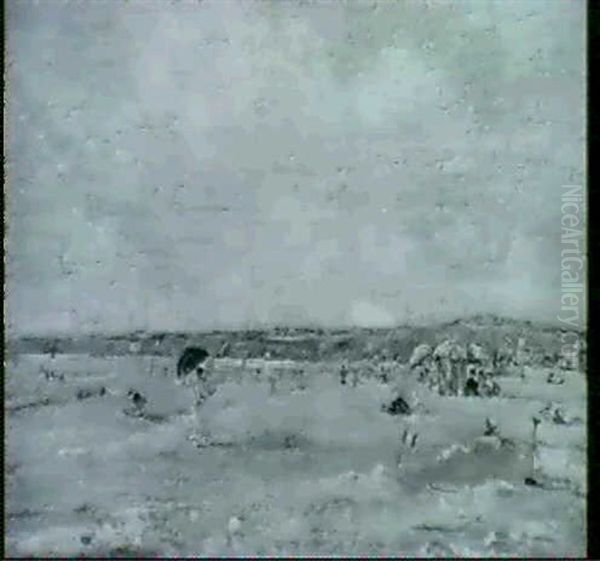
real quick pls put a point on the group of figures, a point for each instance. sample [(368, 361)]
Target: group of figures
[(350, 374), (450, 368), (454, 369)]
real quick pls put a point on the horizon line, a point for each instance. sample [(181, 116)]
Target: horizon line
[(556, 324)]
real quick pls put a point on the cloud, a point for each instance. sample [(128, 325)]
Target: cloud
[(367, 314), (225, 163)]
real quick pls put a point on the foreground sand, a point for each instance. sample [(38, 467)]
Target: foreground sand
[(313, 471)]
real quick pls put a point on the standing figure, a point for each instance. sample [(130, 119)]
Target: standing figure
[(570, 356), (407, 444), (194, 368), (471, 387), (491, 428), (531, 480), (272, 377), (477, 358), (300, 381), (383, 373), (203, 387), (434, 375), (456, 377), (423, 365), (521, 356), (451, 360), (343, 373), (355, 377)]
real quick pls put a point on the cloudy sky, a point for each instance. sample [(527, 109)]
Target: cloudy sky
[(198, 164)]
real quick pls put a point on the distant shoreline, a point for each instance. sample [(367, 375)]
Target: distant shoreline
[(302, 343)]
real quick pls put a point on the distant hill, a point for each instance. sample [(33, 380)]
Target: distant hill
[(308, 343)]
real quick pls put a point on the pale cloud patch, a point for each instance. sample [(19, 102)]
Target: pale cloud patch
[(367, 314)]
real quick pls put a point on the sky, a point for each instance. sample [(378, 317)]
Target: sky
[(230, 164)]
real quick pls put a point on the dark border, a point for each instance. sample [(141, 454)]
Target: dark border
[(593, 333)]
